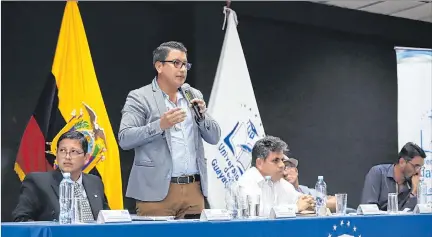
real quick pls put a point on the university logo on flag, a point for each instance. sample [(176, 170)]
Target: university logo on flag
[(234, 150), (233, 105)]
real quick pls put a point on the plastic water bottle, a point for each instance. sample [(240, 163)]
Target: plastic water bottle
[(66, 197), (232, 199), (422, 192), (268, 196), (321, 197)]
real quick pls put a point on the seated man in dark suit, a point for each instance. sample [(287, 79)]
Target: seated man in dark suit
[(39, 194)]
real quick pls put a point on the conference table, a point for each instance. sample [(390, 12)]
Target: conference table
[(402, 225)]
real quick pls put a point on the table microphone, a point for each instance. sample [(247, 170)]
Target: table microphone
[(53, 215)]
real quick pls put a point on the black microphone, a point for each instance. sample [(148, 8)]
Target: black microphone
[(53, 215), (185, 89)]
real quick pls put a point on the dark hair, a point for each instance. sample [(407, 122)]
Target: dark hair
[(264, 146), (161, 52), (75, 135), (411, 150)]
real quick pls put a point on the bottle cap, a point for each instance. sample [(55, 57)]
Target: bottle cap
[(321, 177)]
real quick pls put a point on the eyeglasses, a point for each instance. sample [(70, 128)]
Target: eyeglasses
[(179, 64), (72, 153), (415, 166)]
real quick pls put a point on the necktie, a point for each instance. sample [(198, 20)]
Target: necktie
[(85, 210)]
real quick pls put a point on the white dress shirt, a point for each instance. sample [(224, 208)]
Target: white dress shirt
[(79, 180), (251, 183), (182, 138)]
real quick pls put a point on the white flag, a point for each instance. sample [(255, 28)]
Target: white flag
[(232, 104), (414, 71)]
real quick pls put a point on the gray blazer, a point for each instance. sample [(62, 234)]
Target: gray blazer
[(140, 130)]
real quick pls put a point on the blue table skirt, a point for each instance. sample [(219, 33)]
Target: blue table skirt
[(359, 226)]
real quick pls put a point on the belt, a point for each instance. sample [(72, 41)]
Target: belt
[(185, 179)]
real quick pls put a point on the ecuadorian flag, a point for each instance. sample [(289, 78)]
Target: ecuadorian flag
[(72, 100)]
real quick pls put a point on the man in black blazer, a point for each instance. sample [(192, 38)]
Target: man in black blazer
[(39, 194)]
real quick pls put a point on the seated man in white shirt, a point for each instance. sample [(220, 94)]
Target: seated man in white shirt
[(267, 160)]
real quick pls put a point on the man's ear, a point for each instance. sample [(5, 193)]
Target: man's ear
[(158, 66), (402, 161), (259, 162), (86, 158)]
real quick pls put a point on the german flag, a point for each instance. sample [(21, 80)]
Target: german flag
[(72, 100)]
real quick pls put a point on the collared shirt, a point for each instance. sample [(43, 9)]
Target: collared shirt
[(379, 182), (252, 181), (183, 150), (79, 180), (306, 190)]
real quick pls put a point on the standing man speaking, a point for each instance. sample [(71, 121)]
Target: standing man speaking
[(165, 123)]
